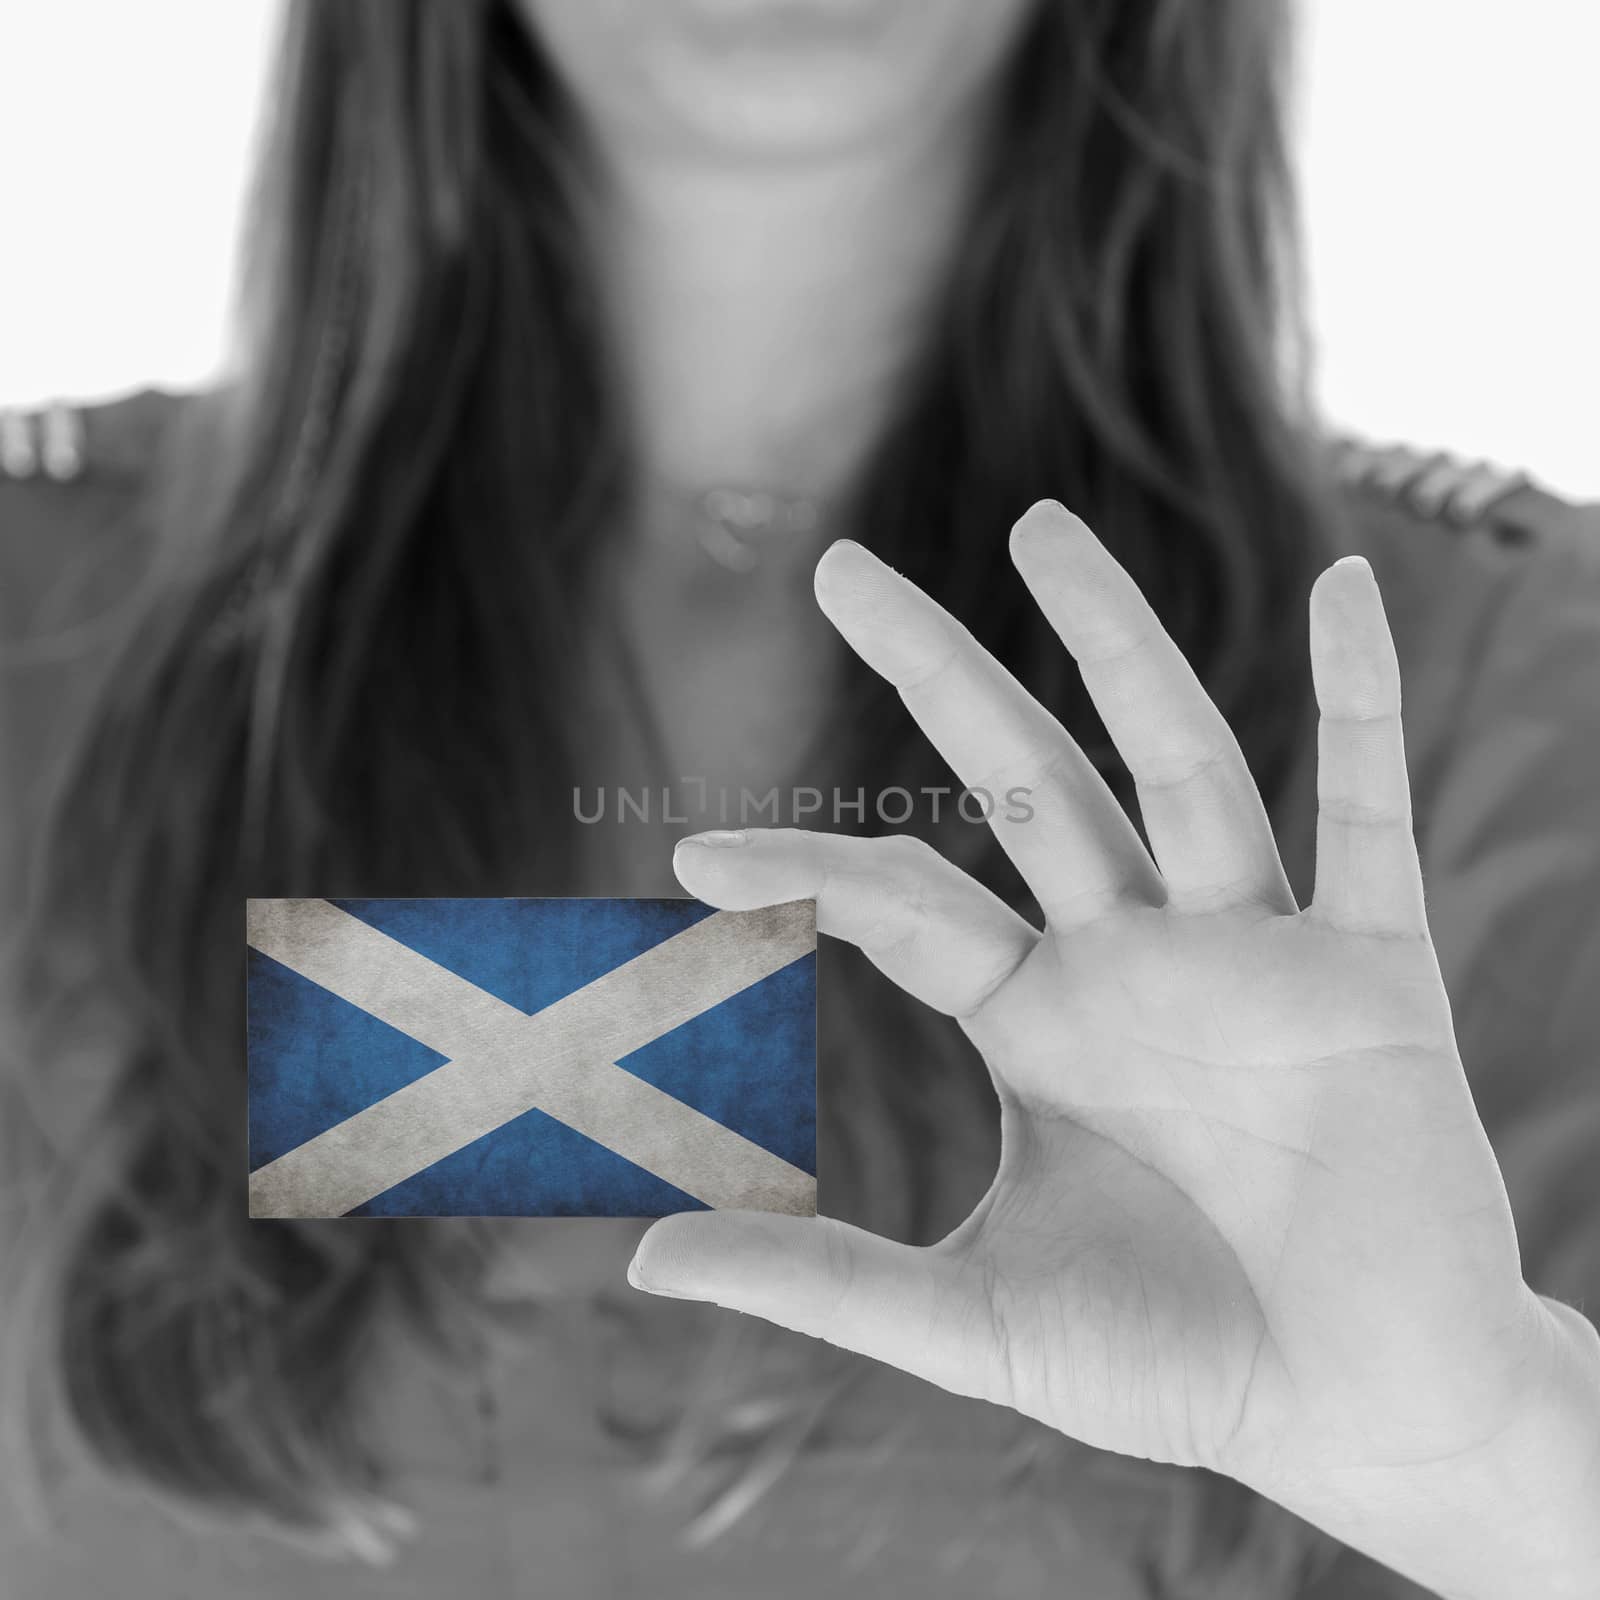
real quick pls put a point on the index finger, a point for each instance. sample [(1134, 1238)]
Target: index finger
[(1078, 852)]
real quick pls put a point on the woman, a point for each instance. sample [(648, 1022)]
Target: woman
[(578, 332)]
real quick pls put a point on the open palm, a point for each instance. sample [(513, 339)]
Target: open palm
[(1245, 1215)]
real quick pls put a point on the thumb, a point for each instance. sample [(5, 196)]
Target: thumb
[(916, 1309)]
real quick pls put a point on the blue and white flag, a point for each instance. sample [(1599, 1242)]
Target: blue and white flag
[(617, 1058)]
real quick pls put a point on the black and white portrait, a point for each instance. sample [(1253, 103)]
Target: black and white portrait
[(799, 798)]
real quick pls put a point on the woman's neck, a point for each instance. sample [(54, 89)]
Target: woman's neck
[(761, 317), (763, 314)]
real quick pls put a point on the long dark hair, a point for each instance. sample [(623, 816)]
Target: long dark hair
[(352, 668)]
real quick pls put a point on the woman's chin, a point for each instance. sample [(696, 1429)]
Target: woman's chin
[(774, 79)]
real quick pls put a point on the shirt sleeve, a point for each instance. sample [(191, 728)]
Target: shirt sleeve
[(1512, 869)]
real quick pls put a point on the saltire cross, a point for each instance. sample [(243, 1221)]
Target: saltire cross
[(529, 1057)]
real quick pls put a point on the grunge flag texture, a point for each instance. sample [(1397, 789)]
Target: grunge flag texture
[(616, 1058)]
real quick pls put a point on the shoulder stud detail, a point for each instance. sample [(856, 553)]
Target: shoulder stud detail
[(50, 441), (19, 447), (1433, 483), (61, 442)]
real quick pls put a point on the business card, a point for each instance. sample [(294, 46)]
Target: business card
[(522, 1057)]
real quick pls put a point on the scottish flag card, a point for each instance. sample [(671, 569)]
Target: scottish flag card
[(616, 1058)]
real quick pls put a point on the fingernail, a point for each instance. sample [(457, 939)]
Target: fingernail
[(718, 838), (1354, 561), (859, 565), (636, 1278), (1050, 516)]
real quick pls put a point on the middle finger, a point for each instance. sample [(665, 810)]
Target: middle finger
[(1202, 811)]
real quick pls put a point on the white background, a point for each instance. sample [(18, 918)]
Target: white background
[(1448, 150)]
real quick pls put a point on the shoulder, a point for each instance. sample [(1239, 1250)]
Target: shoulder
[(76, 535), (1438, 526), (1492, 587), (1429, 518), (74, 483), (1455, 493), (1488, 577)]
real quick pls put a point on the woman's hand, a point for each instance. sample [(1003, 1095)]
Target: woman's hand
[(1245, 1215)]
